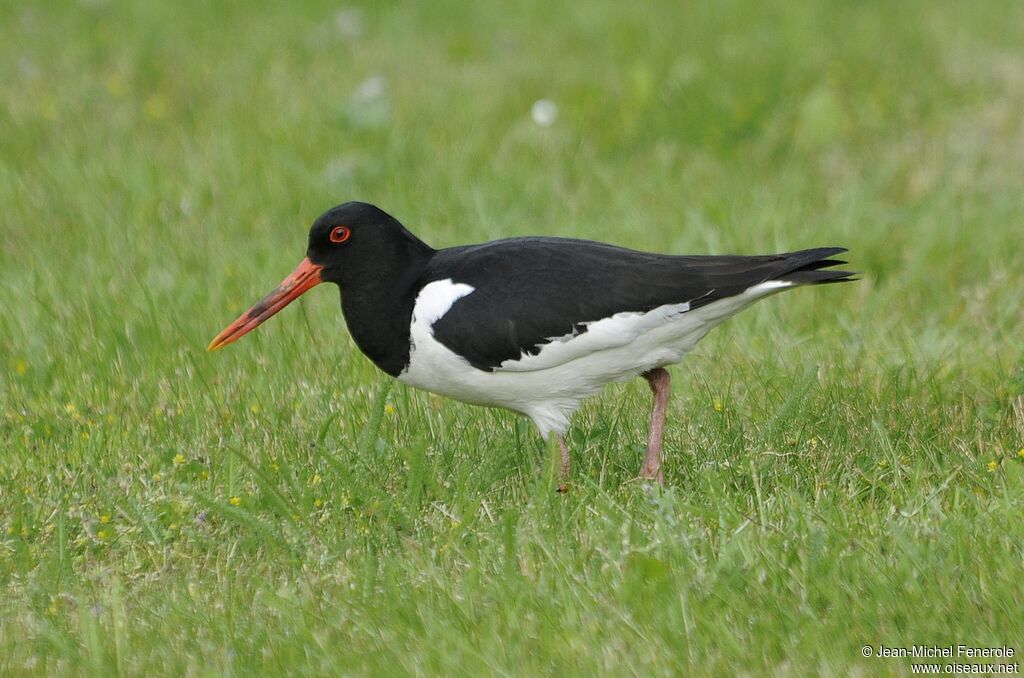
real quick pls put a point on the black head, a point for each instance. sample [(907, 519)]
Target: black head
[(357, 239), (351, 242)]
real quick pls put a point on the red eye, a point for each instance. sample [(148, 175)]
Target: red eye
[(340, 234)]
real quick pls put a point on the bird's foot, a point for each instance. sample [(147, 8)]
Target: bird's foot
[(652, 473)]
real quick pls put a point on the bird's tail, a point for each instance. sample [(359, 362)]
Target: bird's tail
[(808, 267)]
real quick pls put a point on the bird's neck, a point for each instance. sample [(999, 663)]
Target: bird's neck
[(378, 309)]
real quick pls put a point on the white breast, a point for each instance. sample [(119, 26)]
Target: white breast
[(549, 385)]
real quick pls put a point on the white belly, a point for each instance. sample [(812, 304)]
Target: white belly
[(548, 386)]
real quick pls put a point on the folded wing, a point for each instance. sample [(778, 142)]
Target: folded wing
[(584, 297)]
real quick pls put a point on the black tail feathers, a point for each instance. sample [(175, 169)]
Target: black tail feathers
[(808, 267)]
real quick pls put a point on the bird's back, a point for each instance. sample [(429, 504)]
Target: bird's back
[(528, 292)]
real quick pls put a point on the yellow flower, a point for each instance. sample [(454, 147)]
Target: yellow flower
[(389, 409), (1020, 453), (236, 501), (104, 535), (179, 459), (105, 518), (316, 479), (71, 409), (255, 408), (717, 404), (21, 368), (318, 503), (275, 468), (993, 465)]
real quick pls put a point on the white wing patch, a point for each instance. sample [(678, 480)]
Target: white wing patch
[(671, 325), (764, 288), (618, 330), (436, 299)]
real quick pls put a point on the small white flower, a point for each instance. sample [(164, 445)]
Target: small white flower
[(369, 104), (373, 87), (349, 22), (544, 112)]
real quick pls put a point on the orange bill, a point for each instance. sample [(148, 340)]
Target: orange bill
[(305, 277)]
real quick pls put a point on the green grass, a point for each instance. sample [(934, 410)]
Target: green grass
[(842, 463)]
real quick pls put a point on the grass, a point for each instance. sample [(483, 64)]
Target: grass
[(842, 463)]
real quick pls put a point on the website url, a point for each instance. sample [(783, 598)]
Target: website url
[(957, 668)]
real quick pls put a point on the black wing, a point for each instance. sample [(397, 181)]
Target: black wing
[(530, 290)]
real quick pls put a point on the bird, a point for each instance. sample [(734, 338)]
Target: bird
[(529, 324)]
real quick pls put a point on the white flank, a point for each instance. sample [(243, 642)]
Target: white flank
[(601, 335), (548, 386)]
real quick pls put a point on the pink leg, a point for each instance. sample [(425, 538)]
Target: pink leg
[(658, 379), (564, 487)]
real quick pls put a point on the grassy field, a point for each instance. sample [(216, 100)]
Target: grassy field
[(845, 465)]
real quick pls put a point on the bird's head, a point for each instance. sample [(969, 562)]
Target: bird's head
[(350, 241)]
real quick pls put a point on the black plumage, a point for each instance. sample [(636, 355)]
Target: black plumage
[(529, 291)]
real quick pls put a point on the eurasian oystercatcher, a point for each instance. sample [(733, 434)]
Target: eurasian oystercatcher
[(533, 325)]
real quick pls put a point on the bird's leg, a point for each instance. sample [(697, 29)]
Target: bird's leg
[(658, 379), (564, 487)]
